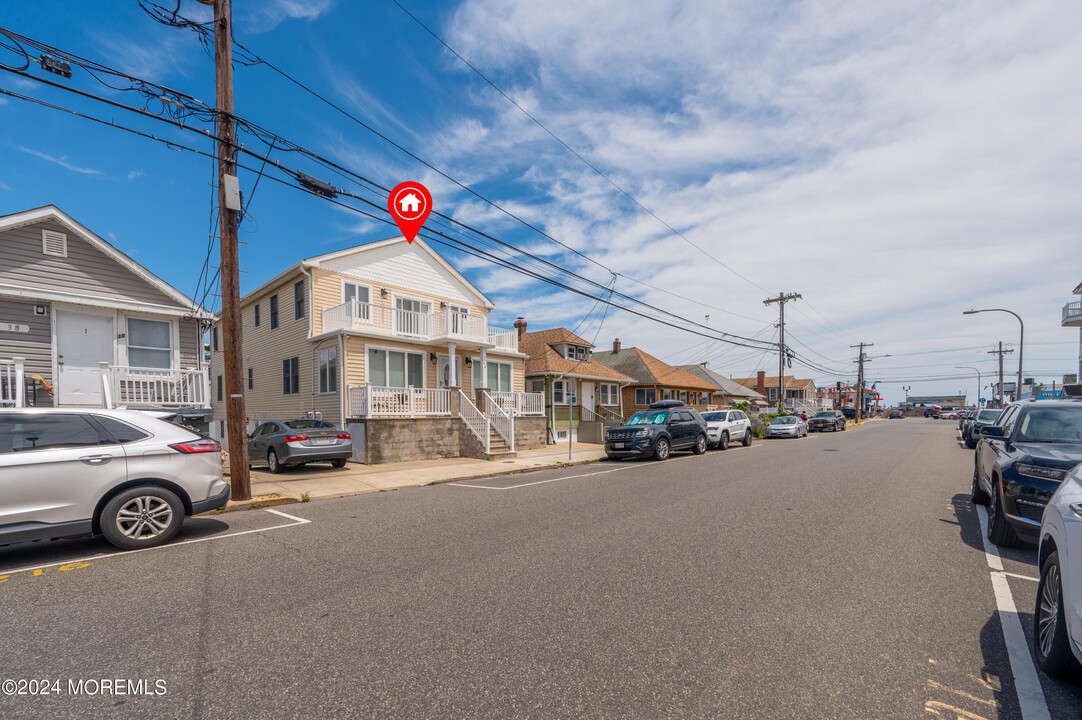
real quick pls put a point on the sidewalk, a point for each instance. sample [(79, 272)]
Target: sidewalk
[(323, 481)]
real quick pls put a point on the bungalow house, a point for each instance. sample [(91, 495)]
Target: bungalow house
[(84, 325), (799, 392), (392, 341), (654, 380), (728, 391), (581, 394)]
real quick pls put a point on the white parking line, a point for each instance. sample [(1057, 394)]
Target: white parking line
[(297, 521), (542, 482), (1027, 685)]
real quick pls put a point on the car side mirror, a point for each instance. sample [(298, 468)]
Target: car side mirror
[(995, 431)]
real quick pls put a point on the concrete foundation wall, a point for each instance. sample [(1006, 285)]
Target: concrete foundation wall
[(401, 440)]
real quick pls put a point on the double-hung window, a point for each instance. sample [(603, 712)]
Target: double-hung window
[(395, 368), (274, 312), (291, 381), (645, 396), (257, 314), (609, 394), (150, 343), (298, 300), (772, 394), (328, 370), (666, 394), (683, 396)]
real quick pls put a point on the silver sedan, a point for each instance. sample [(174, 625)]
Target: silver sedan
[(787, 426), (282, 443)]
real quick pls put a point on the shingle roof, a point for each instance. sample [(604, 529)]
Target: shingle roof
[(724, 384), (545, 360), (648, 370), (772, 381)]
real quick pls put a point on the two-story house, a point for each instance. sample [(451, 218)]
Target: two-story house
[(82, 324), (580, 393), (799, 392), (654, 380), (391, 340)]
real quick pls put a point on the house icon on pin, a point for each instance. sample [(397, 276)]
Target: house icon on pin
[(410, 204)]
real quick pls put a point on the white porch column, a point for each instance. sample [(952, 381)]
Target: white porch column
[(484, 368), (452, 376), (20, 382)]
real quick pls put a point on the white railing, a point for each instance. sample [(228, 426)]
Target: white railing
[(379, 400), (501, 420), (475, 420), (609, 415), (1072, 310), (154, 387), (520, 403), (12, 383), (446, 324)]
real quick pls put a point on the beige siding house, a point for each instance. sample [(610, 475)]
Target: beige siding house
[(389, 339), (82, 324)]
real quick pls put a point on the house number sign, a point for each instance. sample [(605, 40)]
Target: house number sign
[(13, 327)]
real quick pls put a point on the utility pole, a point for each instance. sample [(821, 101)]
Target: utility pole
[(860, 378), (781, 299), (228, 220), (1001, 352)]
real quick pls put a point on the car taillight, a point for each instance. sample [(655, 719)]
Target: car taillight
[(198, 446), (344, 436), (295, 438)]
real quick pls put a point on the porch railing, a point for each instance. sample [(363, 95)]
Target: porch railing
[(501, 420), (380, 400), (475, 420), (445, 324), (520, 403), (154, 387), (503, 339), (12, 383)]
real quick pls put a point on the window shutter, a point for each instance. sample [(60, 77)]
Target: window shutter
[(54, 243)]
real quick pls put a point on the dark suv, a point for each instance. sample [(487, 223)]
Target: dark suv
[(1021, 460), (832, 420), (971, 431), (657, 432)]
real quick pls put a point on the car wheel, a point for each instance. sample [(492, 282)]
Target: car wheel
[(723, 442), (141, 517), (1000, 531), (971, 443), (978, 496), (1051, 644), (272, 462), (338, 462), (700, 445), (746, 440), (661, 449)]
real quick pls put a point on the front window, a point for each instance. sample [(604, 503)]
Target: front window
[(274, 312), (360, 293), (682, 396), (328, 370), (655, 417), (1054, 425), (298, 300), (645, 396), (609, 394), (395, 368), (563, 392), (537, 386), (666, 394), (499, 375), (772, 394), (150, 343), (291, 381)]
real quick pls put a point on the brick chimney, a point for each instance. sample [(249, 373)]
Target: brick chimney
[(616, 346), (760, 382), (520, 325)]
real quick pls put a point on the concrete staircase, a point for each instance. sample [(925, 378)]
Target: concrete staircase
[(498, 448)]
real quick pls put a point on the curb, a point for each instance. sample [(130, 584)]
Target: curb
[(256, 503)]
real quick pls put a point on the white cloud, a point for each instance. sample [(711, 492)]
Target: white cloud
[(267, 15), (136, 174), (4, 185), (62, 161)]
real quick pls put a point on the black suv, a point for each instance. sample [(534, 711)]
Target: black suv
[(971, 431), (832, 420), (657, 432), (1021, 460)]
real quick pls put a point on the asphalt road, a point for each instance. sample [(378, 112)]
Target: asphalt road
[(838, 576)]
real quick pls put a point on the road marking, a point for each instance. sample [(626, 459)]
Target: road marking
[(1021, 577), (1027, 685), (966, 695), (297, 521), (542, 482)]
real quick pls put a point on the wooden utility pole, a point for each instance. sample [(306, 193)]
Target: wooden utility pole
[(228, 219), (860, 378), (781, 299), (1001, 352)]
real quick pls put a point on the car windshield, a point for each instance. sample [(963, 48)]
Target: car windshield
[(988, 415), (655, 417), (1052, 425), (709, 416), (825, 414), (308, 425), (785, 420)]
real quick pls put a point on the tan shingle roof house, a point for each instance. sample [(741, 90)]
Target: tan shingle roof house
[(798, 391), (728, 391), (654, 380)]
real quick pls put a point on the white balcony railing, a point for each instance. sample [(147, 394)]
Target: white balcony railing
[(382, 401), (12, 383), (520, 403), (154, 387), (1072, 314), (445, 324)]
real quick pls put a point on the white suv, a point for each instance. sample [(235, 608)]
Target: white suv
[(68, 472), (1057, 618), (723, 426)]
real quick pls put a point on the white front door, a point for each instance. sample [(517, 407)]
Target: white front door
[(586, 397), (82, 341), (443, 372)]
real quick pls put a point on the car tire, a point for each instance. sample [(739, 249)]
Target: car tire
[(700, 445), (1000, 531), (273, 465), (978, 496), (1051, 643), (661, 449), (971, 443), (338, 463), (723, 441), (133, 519), (746, 440)]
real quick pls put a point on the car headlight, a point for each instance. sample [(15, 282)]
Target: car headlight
[(644, 432), (1076, 508), (1044, 473)]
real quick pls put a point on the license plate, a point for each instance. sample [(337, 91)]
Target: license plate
[(618, 446), (323, 441)]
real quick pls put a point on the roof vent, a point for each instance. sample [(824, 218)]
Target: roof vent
[(54, 243)]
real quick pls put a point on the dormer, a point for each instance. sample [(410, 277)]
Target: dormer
[(572, 351)]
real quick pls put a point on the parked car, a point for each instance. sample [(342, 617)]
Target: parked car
[(787, 426), (971, 431), (948, 415), (832, 420), (931, 412), (725, 425), (849, 413), (67, 472), (897, 415), (657, 432), (1021, 460), (964, 416), (283, 443), (1057, 617)]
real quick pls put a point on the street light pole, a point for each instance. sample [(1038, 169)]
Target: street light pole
[(966, 367), (1021, 340)]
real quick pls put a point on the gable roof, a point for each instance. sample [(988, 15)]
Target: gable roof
[(772, 381), (52, 212), (724, 384), (543, 358), (646, 369)]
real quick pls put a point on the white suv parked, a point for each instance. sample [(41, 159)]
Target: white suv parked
[(724, 426), (1057, 618), (67, 472)]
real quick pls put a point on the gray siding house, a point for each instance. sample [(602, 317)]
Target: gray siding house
[(82, 324)]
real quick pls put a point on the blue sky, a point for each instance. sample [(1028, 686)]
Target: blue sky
[(895, 165)]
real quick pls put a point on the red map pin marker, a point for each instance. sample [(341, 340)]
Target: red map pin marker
[(410, 203)]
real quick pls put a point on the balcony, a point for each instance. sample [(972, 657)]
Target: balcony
[(1072, 314), (435, 326), (142, 388)]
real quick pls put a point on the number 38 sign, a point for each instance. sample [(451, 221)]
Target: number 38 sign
[(13, 327)]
